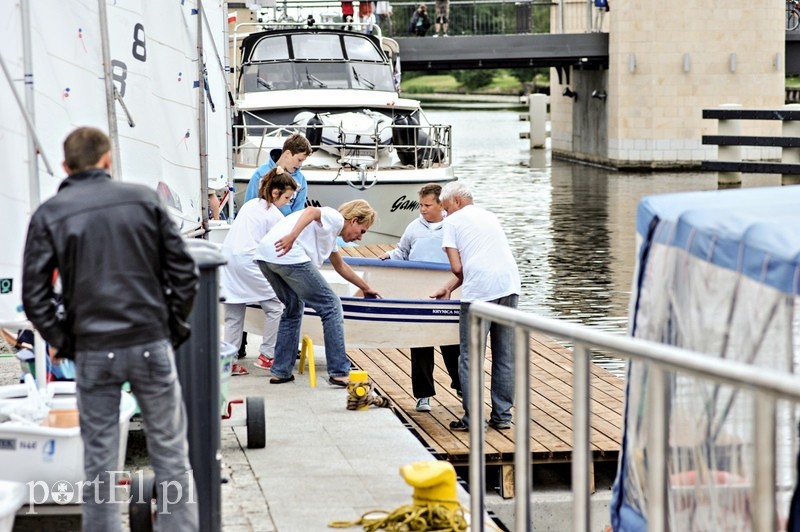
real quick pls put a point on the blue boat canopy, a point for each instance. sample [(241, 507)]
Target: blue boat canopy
[(754, 231)]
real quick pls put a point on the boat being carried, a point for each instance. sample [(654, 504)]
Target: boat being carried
[(338, 86)]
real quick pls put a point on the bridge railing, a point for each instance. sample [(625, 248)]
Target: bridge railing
[(467, 17), (767, 385)]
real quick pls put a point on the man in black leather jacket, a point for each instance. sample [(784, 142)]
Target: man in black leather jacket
[(128, 287)]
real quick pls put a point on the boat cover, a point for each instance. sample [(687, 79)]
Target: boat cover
[(717, 272)]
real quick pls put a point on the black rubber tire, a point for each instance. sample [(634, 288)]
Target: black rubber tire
[(140, 510), (256, 423)]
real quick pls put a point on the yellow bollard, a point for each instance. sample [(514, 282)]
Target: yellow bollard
[(307, 353), (433, 482), (357, 389)]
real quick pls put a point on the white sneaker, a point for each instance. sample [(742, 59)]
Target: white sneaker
[(424, 404)]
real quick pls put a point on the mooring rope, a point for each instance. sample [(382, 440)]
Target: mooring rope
[(361, 395), (432, 516)]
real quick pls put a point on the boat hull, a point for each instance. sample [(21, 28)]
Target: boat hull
[(404, 317)]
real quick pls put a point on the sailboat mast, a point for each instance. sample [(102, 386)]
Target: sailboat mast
[(201, 119), (27, 65), (111, 93)]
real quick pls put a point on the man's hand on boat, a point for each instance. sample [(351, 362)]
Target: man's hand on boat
[(442, 293)]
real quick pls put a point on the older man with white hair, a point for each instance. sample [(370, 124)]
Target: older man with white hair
[(485, 269)]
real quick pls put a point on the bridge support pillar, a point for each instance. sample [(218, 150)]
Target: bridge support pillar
[(790, 128), (730, 153), (537, 107)]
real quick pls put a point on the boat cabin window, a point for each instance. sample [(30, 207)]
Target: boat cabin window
[(317, 47), (360, 49), (316, 61), (271, 49)]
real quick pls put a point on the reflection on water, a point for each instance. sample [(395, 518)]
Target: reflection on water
[(571, 227)]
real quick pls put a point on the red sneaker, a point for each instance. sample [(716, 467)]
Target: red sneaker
[(263, 362), (238, 369)]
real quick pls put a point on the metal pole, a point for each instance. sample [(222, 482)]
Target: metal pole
[(657, 449), (111, 93), (589, 4), (201, 120), (764, 453), (561, 16), (581, 452), (477, 473), (30, 108), (522, 450)]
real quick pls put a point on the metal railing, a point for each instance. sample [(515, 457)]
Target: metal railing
[(768, 386), (420, 146), (467, 17)]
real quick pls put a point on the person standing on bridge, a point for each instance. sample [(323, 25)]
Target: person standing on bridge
[(420, 22), (442, 17), (484, 267)]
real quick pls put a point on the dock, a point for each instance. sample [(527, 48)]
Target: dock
[(550, 408)]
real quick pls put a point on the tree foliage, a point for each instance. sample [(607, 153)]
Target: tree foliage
[(474, 79)]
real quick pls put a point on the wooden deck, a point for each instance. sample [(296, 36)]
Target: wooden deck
[(550, 409)]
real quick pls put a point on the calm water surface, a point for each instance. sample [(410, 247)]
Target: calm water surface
[(571, 227)]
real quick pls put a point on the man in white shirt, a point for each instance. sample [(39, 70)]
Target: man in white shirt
[(484, 267)]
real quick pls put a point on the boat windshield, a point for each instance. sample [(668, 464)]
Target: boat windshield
[(316, 61)]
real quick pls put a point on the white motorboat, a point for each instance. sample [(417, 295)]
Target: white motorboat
[(338, 86), (405, 316)]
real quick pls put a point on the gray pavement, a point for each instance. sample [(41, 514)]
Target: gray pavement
[(321, 462)]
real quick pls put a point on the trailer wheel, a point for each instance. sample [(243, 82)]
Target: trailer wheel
[(143, 499), (256, 423)]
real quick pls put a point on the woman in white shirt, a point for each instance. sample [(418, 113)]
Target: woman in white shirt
[(289, 257), (240, 279)]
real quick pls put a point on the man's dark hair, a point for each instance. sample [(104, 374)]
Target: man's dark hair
[(84, 147)]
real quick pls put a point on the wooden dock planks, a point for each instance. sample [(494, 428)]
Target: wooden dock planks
[(550, 408), (551, 372)]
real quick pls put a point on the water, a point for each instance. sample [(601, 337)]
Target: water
[(571, 227)]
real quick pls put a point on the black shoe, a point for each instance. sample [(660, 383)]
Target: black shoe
[(499, 425), (281, 380), (337, 382), (459, 426)]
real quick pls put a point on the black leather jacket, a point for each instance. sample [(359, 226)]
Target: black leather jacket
[(127, 278)]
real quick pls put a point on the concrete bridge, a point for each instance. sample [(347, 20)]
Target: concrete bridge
[(637, 93), (584, 50)]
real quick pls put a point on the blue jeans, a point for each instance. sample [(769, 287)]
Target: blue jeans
[(150, 369), (297, 285), (502, 342)]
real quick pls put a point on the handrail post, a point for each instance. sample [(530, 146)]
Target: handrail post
[(522, 436), (790, 128), (764, 452), (581, 397), (657, 445), (477, 470), (729, 153)]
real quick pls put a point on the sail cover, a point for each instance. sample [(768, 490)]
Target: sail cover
[(717, 273), (154, 52)]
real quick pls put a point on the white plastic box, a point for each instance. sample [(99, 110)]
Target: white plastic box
[(48, 460)]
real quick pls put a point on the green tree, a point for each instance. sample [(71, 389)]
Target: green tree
[(474, 79)]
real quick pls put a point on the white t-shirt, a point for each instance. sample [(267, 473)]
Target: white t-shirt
[(490, 271), (315, 243), (241, 281)]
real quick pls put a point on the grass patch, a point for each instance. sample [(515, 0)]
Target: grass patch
[(502, 83), (428, 84)]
